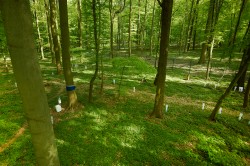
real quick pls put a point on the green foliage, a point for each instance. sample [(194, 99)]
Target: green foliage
[(117, 131)]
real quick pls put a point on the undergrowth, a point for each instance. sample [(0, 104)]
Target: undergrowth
[(116, 130)]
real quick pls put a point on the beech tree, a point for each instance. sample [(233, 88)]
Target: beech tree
[(21, 43), (54, 32), (166, 13), (70, 87)]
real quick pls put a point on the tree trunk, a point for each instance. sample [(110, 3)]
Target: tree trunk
[(166, 14), (152, 30), (47, 11), (246, 95), (40, 39), (91, 84), (20, 38), (72, 97), (237, 76), (189, 30), (139, 26), (233, 37), (195, 25), (210, 55), (129, 28), (111, 28), (79, 22), (56, 44)]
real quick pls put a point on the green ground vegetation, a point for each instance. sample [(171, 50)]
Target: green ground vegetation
[(115, 129)]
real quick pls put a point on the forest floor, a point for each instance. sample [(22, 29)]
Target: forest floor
[(115, 129)]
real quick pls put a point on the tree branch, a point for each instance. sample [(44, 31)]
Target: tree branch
[(160, 3)]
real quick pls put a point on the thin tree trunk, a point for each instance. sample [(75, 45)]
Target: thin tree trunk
[(195, 25), (246, 95), (91, 84), (188, 31), (226, 93), (152, 30), (161, 70), (56, 44), (129, 28), (79, 22), (40, 40), (210, 56), (47, 11), (64, 26), (233, 37), (139, 26), (20, 39)]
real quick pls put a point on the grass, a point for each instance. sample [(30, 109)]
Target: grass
[(117, 131)]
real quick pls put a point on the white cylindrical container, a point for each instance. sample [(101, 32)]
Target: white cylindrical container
[(58, 108), (166, 108), (203, 106), (220, 111), (240, 116), (134, 89)]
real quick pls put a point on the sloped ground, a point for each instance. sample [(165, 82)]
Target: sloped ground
[(117, 131)]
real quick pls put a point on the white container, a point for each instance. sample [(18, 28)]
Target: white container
[(220, 111), (113, 81), (134, 89), (240, 116), (58, 108), (240, 89), (166, 108), (203, 106)]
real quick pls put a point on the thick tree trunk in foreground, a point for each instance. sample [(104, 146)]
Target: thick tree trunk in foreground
[(226, 93), (56, 44), (162, 63), (20, 38), (72, 97)]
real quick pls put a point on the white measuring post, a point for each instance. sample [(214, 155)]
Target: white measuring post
[(220, 111), (166, 108), (240, 116), (133, 89), (235, 88), (113, 81), (203, 106), (59, 100)]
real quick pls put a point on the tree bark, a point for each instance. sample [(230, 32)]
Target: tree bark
[(47, 11), (129, 28), (40, 39), (20, 38), (152, 30), (91, 84), (79, 22), (64, 26), (246, 95), (166, 14), (56, 44), (233, 37)]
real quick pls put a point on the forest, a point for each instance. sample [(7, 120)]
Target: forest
[(122, 82)]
